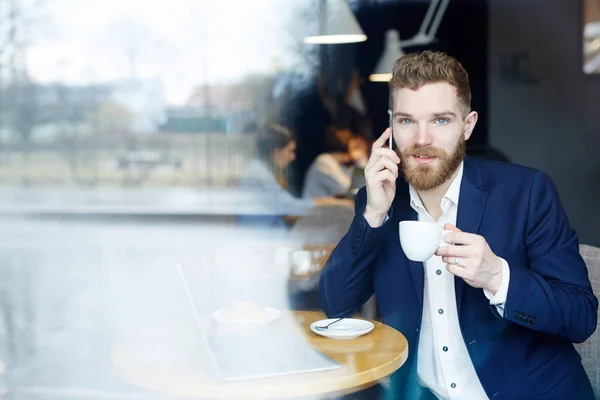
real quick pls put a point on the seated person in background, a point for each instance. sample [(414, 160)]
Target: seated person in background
[(340, 169), (264, 182)]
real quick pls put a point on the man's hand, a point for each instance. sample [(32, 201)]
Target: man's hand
[(477, 264), (381, 173)]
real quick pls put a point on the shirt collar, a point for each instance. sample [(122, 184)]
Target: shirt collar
[(451, 196)]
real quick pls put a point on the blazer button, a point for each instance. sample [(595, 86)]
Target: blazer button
[(532, 321), (518, 315)]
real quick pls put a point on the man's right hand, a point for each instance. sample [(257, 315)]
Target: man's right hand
[(381, 173)]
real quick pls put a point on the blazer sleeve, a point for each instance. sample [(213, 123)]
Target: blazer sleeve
[(346, 281), (552, 293)]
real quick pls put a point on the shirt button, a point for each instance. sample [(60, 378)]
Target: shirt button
[(445, 348), (438, 272), (453, 385), (440, 311)]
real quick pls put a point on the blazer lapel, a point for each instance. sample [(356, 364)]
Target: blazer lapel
[(471, 203), (404, 212)]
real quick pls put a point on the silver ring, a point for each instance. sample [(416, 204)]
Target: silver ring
[(456, 261)]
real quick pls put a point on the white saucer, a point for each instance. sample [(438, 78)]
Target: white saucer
[(272, 314), (348, 328)]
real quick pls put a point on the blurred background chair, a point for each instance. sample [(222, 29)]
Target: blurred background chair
[(590, 349), (322, 227)]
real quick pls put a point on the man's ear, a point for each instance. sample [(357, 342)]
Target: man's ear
[(470, 122)]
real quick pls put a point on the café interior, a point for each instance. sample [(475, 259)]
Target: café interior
[(174, 178)]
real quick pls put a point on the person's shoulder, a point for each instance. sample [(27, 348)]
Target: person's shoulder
[(323, 164), (256, 164), (325, 158), (514, 180), (507, 170), (256, 169)]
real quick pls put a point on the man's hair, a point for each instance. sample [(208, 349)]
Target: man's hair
[(414, 70)]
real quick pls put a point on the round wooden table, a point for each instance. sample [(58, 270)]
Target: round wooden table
[(174, 367)]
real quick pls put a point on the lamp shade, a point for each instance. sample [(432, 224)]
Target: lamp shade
[(392, 51), (338, 25)]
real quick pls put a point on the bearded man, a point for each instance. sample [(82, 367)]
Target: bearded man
[(492, 315)]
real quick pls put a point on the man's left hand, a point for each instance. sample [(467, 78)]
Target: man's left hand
[(477, 264)]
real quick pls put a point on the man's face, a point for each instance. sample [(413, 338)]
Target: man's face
[(430, 130)]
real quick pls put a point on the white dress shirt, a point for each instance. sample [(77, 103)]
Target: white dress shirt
[(444, 365)]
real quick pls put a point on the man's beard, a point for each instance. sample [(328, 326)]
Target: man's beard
[(424, 177)]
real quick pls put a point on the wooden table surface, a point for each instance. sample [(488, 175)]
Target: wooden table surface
[(160, 363)]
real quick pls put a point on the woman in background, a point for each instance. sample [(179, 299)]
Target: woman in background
[(265, 180)]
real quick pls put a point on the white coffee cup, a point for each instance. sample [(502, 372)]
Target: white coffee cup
[(420, 240)]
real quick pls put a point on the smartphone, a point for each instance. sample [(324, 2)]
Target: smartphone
[(392, 128)]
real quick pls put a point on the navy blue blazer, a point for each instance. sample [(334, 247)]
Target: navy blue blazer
[(528, 353)]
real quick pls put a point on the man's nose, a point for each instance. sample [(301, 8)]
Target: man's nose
[(423, 137)]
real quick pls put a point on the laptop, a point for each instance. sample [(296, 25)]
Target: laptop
[(258, 353)]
